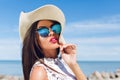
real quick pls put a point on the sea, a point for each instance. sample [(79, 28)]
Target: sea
[(88, 67)]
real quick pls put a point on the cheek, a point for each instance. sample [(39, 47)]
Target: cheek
[(44, 43)]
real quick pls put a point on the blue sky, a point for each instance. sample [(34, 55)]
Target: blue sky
[(93, 25)]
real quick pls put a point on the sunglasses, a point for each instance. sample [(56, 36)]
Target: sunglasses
[(44, 31)]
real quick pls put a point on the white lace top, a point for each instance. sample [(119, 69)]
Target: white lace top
[(58, 65)]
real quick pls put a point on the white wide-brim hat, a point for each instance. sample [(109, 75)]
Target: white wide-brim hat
[(46, 12)]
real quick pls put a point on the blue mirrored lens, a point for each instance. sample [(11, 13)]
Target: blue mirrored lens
[(56, 28), (43, 32)]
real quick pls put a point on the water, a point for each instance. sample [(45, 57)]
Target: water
[(11, 68), (100, 66), (15, 67)]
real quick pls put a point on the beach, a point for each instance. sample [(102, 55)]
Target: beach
[(104, 75), (94, 70), (10, 77), (94, 76)]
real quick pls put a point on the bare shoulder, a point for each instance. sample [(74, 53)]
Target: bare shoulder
[(38, 73)]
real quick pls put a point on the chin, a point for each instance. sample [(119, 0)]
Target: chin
[(54, 46)]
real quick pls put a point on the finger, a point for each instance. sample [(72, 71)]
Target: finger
[(61, 48), (69, 46), (60, 43), (66, 46), (73, 47)]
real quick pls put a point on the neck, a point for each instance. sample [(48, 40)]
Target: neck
[(50, 53)]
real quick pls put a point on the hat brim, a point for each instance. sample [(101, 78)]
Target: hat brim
[(47, 12)]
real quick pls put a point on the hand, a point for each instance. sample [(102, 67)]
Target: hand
[(68, 52)]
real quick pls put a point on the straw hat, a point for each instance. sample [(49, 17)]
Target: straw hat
[(49, 12)]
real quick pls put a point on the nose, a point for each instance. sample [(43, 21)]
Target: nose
[(51, 33)]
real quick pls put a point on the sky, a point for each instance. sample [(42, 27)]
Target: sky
[(92, 25)]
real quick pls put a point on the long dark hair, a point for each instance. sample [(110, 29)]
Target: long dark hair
[(31, 51)]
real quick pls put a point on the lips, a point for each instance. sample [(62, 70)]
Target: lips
[(53, 40)]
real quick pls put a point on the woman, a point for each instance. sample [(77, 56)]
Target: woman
[(45, 56)]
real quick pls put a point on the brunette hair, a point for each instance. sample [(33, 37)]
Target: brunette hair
[(31, 51)]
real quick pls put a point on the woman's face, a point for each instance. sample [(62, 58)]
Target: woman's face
[(50, 42)]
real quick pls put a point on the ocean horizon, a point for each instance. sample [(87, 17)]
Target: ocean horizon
[(14, 67)]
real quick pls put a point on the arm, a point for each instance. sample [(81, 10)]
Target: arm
[(77, 71), (69, 55), (38, 73)]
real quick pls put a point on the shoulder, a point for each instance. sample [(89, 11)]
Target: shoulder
[(38, 73)]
